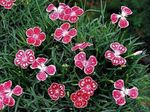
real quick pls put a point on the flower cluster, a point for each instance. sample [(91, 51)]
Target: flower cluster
[(6, 93), (87, 87), (7, 4), (121, 92), (115, 57), (64, 12), (56, 90), (81, 46), (64, 33), (123, 22), (44, 70), (35, 36), (82, 63)]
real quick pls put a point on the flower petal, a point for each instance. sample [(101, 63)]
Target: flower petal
[(17, 90), (89, 69), (114, 18), (79, 12), (81, 56), (30, 40), (122, 61), (117, 94), (41, 76), (42, 36), (50, 8), (51, 70), (11, 102), (123, 23), (121, 101), (109, 55), (73, 19), (20, 54), (29, 32), (37, 42), (92, 61), (58, 34), (119, 84), (72, 32), (7, 84), (133, 92), (66, 39), (79, 64), (37, 30), (126, 11), (65, 26), (53, 16)]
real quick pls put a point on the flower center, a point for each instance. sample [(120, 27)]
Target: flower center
[(24, 58), (35, 36), (73, 13), (65, 32)]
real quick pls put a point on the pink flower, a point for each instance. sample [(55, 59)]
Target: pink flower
[(80, 99), (44, 70), (35, 36), (88, 85), (56, 91), (7, 4), (87, 65), (123, 23), (81, 46), (115, 57), (65, 33), (24, 58), (121, 92), (55, 12), (71, 14), (64, 12), (6, 93)]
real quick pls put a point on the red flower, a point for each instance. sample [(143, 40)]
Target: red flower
[(55, 12), (71, 14), (123, 23), (88, 65), (121, 92), (24, 58), (6, 94), (44, 70), (115, 57), (81, 46), (35, 36), (88, 85), (56, 91), (64, 33), (80, 99), (7, 4)]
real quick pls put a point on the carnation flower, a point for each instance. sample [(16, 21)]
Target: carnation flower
[(115, 57), (123, 22), (120, 92)]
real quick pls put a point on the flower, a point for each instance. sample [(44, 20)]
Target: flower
[(55, 12), (56, 91), (7, 4), (64, 12), (87, 65), (120, 92), (138, 53), (81, 46), (80, 99), (71, 14), (123, 23), (35, 36), (24, 58), (44, 70), (6, 93), (65, 33), (115, 57), (88, 85)]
